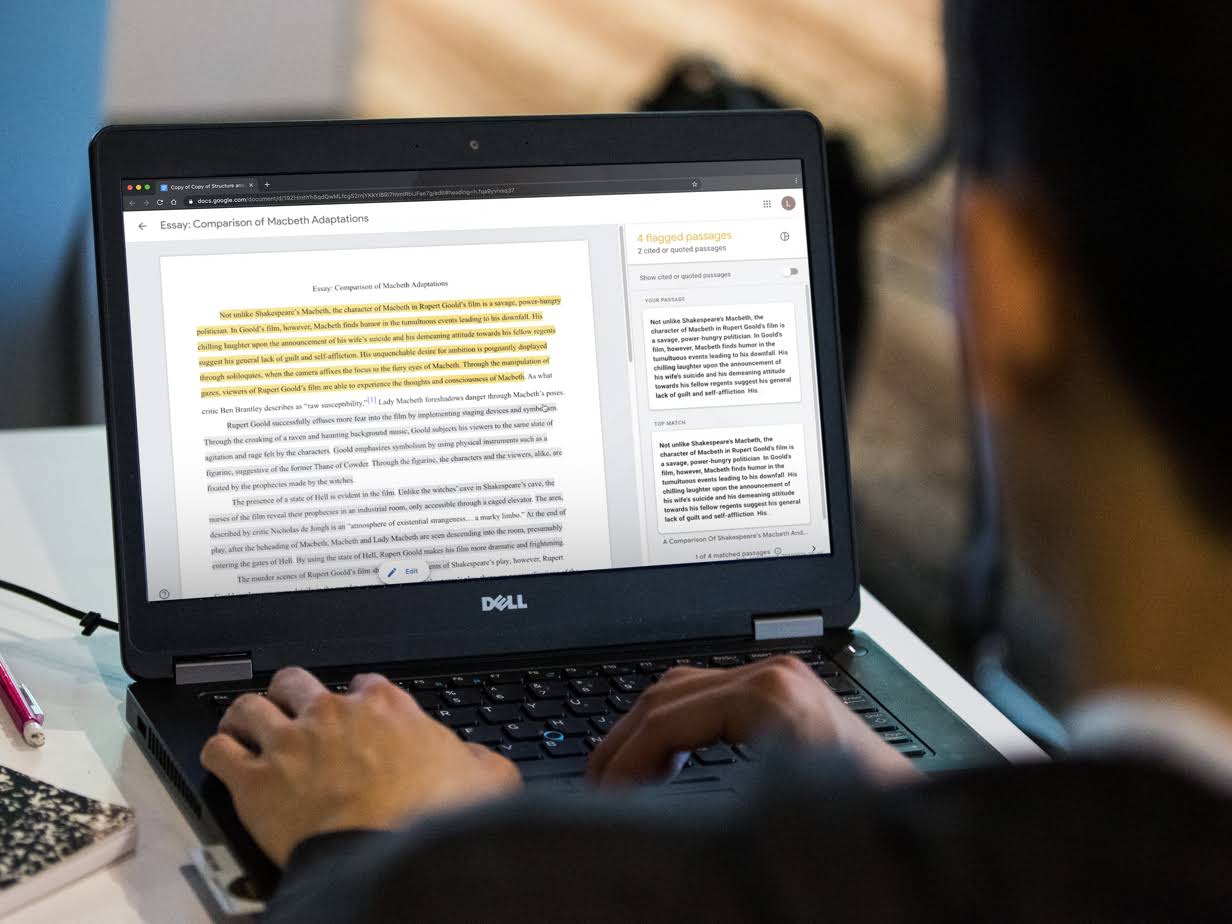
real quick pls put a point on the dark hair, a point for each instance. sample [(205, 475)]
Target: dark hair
[(1121, 115)]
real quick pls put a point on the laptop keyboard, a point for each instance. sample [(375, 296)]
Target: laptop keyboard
[(555, 713)]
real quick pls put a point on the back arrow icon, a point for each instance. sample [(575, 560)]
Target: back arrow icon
[(141, 225)]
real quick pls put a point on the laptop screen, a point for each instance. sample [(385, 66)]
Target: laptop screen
[(388, 378)]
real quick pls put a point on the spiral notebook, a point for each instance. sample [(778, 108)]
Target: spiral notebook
[(50, 837)]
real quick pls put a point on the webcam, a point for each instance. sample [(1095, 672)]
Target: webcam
[(473, 144)]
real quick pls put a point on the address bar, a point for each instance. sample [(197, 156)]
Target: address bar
[(351, 196)]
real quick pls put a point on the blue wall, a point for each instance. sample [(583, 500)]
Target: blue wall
[(51, 91)]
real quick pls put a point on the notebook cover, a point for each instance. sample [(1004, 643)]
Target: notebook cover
[(45, 830)]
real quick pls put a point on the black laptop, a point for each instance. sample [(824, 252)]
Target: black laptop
[(520, 412)]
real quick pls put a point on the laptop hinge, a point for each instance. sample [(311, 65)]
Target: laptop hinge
[(213, 670), (795, 625)]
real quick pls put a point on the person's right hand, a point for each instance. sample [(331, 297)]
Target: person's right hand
[(692, 707)]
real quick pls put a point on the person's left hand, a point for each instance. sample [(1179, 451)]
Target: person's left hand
[(302, 761)]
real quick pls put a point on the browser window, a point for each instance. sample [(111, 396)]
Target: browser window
[(356, 379)]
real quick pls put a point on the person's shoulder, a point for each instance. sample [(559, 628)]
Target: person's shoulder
[(1080, 796), (1093, 785), (1104, 840), (1107, 839)]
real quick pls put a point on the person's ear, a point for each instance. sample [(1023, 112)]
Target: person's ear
[(1010, 290)]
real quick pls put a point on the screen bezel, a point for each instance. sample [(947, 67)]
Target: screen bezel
[(355, 625)]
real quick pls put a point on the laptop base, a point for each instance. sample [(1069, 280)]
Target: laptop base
[(172, 722)]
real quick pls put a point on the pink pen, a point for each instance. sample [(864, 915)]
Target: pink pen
[(22, 706)]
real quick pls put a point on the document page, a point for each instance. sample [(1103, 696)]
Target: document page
[(345, 416)]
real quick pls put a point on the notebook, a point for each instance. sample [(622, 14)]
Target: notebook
[(49, 837)]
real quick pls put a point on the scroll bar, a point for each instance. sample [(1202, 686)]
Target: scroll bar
[(634, 414), (624, 294), (821, 462)]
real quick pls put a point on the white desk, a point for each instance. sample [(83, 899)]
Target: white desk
[(55, 537)]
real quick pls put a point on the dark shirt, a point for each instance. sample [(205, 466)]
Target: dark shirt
[(1081, 841)]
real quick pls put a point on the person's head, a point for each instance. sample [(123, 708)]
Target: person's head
[(1094, 236)]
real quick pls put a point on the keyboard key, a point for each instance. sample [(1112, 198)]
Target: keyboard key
[(499, 715), (338, 687), (914, 753), (544, 709), (468, 697), (590, 686), (621, 702), (825, 670), (631, 683), (727, 660), (880, 723), (506, 693), (536, 676), (745, 751), (586, 705), (570, 747), (602, 723), (651, 667), (570, 726), (467, 680), (861, 705), (524, 731), (839, 686), (481, 734), (761, 655), (457, 718), (220, 701), (499, 677), (714, 754), (427, 701), (895, 738), (431, 684), (592, 741), (548, 689), (689, 662), (572, 672), (519, 751), (611, 670)]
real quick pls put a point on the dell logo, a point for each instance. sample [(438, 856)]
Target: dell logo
[(501, 602)]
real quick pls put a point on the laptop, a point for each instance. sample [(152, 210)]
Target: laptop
[(520, 412)]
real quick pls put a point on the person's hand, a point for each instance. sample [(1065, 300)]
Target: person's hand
[(692, 707), (302, 760)]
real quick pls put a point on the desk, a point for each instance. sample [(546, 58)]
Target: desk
[(55, 537)]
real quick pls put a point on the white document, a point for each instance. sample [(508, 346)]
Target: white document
[(336, 411)]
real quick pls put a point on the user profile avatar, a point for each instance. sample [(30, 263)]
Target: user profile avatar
[(789, 202)]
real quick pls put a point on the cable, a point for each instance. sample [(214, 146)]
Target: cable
[(89, 621)]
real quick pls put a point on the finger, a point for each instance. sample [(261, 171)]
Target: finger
[(228, 760), (253, 719), (678, 725), (500, 766), (364, 682), (294, 689), (679, 681)]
